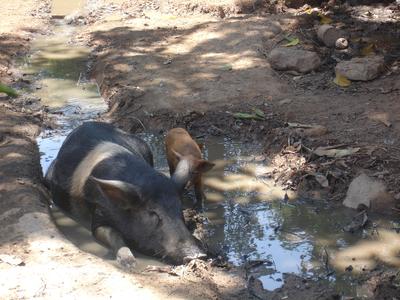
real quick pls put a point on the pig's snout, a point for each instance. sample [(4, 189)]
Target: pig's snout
[(191, 252), (187, 259)]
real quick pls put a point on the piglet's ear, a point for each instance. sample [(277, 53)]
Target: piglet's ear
[(177, 155), (204, 166), (120, 193)]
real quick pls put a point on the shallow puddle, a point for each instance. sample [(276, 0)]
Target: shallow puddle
[(249, 217)]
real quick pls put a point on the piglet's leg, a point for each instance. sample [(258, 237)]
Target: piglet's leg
[(198, 191), (113, 239)]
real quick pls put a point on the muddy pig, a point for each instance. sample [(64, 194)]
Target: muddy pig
[(105, 178), (184, 156)]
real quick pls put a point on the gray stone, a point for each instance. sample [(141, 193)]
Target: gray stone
[(302, 61), (364, 190), (361, 68), (329, 35)]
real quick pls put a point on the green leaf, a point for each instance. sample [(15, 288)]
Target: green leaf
[(247, 116), (292, 41), (259, 112), (7, 90)]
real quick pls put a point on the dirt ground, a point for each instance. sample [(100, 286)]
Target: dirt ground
[(159, 71), (195, 64)]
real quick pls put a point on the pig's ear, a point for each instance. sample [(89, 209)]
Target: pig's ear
[(204, 166), (177, 155), (121, 193)]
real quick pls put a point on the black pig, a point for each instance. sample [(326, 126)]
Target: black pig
[(105, 177)]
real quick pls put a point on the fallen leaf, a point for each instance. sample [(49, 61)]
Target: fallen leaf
[(323, 151), (324, 19), (8, 90), (247, 116), (380, 117), (308, 130), (292, 41), (259, 112), (309, 11), (321, 179), (342, 81), (368, 50)]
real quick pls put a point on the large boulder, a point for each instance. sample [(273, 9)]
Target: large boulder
[(361, 68), (283, 58)]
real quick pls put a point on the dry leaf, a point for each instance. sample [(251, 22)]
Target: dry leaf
[(380, 117), (368, 50), (321, 179), (308, 130), (342, 81), (309, 11), (324, 19), (323, 151)]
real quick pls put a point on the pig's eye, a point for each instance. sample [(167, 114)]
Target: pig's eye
[(155, 218)]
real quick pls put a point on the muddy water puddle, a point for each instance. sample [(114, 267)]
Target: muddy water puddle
[(250, 221), (60, 69)]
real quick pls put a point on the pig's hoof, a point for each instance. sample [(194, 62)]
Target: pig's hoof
[(125, 258)]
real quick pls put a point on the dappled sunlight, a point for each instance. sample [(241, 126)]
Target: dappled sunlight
[(384, 247), (196, 65)]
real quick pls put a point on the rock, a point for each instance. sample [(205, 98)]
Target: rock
[(341, 43), (302, 61), (329, 35), (369, 192), (361, 68)]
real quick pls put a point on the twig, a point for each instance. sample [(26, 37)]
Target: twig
[(326, 261), (168, 270), (140, 122)]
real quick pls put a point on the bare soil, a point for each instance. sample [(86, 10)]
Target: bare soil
[(194, 64)]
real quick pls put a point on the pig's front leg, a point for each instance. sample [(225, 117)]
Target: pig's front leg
[(113, 239)]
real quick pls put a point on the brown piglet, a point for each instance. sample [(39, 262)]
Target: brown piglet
[(182, 150)]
